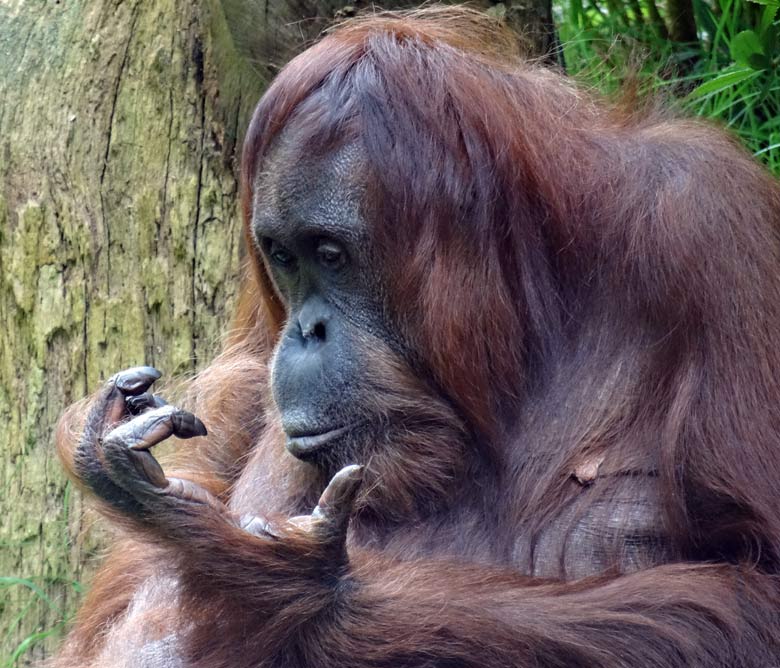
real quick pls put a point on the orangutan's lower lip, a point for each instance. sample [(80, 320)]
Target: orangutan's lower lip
[(306, 445)]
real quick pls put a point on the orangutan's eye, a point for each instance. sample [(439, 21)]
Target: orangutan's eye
[(278, 254), (331, 255)]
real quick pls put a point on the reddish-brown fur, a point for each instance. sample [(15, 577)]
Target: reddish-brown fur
[(583, 285)]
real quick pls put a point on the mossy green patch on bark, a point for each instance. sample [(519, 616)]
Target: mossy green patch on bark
[(119, 245)]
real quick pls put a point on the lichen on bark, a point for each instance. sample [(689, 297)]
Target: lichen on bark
[(119, 245)]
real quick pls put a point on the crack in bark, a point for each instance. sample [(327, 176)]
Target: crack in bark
[(235, 158), (170, 142), (120, 73), (201, 157), (164, 206)]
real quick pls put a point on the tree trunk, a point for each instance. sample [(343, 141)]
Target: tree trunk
[(532, 20), (657, 20), (119, 243), (120, 124), (682, 22)]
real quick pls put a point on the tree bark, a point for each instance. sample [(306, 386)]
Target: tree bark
[(657, 20), (532, 21), (120, 125), (119, 244), (682, 22)]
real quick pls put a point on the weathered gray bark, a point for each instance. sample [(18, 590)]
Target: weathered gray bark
[(119, 233), (119, 242)]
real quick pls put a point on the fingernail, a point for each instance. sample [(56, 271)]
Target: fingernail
[(137, 379), (199, 427), (187, 425)]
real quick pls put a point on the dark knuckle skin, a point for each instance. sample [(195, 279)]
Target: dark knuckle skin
[(137, 404)]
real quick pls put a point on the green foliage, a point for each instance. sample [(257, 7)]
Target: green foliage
[(731, 73), (33, 596), (23, 600)]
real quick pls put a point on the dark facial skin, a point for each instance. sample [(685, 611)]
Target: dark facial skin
[(309, 228)]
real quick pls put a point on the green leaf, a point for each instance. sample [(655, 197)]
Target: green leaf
[(768, 17), (758, 61), (744, 45), (771, 147), (767, 3), (722, 82), (769, 39), (770, 124)]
